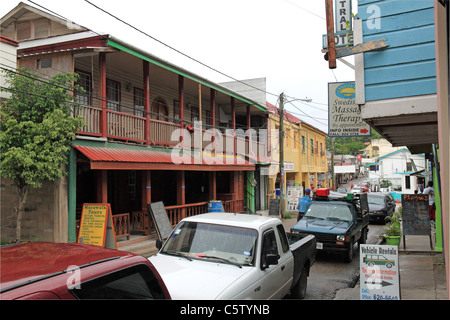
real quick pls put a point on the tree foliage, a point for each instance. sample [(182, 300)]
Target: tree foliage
[(350, 145), (37, 129)]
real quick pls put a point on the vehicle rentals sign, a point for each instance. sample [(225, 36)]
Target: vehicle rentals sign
[(379, 272), (344, 115)]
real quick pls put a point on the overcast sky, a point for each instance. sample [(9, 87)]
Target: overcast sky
[(280, 40)]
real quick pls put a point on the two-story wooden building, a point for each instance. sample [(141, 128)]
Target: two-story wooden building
[(141, 143)]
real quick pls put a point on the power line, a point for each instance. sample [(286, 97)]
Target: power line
[(173, 48)]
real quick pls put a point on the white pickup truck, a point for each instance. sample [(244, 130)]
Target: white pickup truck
[(234, 256)]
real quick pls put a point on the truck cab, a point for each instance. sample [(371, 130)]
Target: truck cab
[(337, 221), (234, 256)]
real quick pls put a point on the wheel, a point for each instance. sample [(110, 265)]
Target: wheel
[(299, 291), (363, 238), (348, 255)]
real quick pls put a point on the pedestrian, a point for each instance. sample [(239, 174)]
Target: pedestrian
[(303, 204), (430, 191)]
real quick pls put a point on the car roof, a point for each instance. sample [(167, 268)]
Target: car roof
[(233, 219), (27, 262)]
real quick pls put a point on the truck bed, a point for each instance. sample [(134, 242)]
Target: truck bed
[(303, 248)]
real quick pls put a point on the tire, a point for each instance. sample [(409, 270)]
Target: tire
[(299, 291), (348, 255), (363, 238)]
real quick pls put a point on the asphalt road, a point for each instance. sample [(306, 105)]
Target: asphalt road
[(330, 273)]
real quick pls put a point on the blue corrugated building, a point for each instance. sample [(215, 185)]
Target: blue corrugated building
[(399, 82)]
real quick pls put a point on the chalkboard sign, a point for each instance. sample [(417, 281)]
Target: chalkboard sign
[(415, 214), (274, 209), (161, 220)]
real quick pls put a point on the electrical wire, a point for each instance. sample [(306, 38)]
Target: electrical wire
[(170, 47)]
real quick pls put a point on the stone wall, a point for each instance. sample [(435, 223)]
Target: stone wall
[(38, 222)]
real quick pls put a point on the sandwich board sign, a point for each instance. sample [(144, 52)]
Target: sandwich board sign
[(96, 225), (161, 220), (379, 272)]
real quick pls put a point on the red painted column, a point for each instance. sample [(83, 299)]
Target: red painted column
[(102, 186), (213, 115), (102, 93), (212, 185), (146, 79), (181, 103), (181, 194), (233, 123)]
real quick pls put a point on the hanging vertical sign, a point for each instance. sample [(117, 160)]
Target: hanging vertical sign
[(96, 226), (344, 115), (342, 15), (343, 32)]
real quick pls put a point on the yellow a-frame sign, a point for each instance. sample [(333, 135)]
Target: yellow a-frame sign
[(96, 226)]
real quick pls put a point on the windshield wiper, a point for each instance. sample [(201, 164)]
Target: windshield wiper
[(178, 254), (223, 260), (336, 218), (314, 217)]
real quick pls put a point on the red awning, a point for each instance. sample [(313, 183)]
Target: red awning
[(103, 158)]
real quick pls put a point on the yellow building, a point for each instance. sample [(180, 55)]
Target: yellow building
[(305, 162)]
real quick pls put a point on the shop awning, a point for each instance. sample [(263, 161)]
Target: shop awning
[(103, 158)]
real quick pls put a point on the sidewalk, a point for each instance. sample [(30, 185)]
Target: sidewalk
[(422, 273), (422, 270)]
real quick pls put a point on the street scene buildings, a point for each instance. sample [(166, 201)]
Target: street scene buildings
[(158, 132)]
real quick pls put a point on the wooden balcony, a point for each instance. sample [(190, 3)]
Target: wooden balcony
[(131, 128)]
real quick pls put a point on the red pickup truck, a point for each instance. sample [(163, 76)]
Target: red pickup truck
[(45, 270)]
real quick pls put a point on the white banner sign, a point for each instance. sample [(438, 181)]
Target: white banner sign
[(344, 115), (293, 195), (379, 272)]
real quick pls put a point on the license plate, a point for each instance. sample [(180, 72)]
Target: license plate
[(319, 245)]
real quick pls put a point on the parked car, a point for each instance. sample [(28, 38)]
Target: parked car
[(357, 190), (336, 222), (341, 190), (381, 206), (45, 270), (234, 256)]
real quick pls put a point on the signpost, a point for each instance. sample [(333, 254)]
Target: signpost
[(344, 115), (96, 225), (379, 272)]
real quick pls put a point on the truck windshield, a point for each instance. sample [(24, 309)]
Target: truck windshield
[(375, 200), (218, 243), (329, 211)]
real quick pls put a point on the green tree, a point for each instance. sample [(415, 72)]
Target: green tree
[(37, 130)]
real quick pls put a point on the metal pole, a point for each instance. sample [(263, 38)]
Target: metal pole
[(281, 141)]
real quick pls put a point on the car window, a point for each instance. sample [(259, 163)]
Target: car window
[(269, 246), (283, 238), (329, 211), (137, 282)]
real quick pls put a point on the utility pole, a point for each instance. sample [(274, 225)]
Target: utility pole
[(281, 142), (333, 179)]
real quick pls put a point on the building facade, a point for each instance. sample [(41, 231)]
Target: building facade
[(305, 161), (154, 132)]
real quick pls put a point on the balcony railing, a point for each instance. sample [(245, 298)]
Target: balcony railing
[(131, 128)]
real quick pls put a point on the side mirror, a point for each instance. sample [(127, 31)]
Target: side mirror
[(271, 259)]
